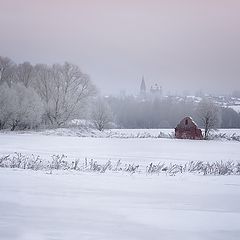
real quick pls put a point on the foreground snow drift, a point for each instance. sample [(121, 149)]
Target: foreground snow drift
[(34, 205)]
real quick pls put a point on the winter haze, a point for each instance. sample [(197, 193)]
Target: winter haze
[(119, 120), (182, 45)]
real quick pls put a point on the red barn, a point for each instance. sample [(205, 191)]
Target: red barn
[(188, 129)]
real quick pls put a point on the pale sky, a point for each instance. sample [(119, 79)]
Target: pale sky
[(179, 44)]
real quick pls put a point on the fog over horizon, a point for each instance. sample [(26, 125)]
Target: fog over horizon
[(181, 45)]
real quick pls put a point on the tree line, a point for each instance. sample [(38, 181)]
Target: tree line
[(131, 112), (42, 94), (52, 95)]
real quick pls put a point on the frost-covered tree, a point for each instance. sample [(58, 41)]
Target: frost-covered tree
[(64, 90), (209, 115), (6, 107), (101, 114), (43, 86), (25, 106), (7, 70), (20, 107), (24, 73)]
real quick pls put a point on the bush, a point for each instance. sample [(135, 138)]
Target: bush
[(59, 162)]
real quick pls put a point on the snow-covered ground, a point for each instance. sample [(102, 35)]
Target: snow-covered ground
[(71, 205), (36, 206), (137, 150)]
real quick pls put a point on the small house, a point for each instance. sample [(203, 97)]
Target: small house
[(188, 129)]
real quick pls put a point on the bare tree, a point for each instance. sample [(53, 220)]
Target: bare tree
[(5, 105), (64, 90), (209, 115), (24, 73), (7, 70), (44, 86), (101, 114)]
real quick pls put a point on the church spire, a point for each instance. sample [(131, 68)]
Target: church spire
[(143, 86), (143, 89)]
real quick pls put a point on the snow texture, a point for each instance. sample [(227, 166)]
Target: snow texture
[(235, 108), (137, 150), (34, 205), (70, 205)]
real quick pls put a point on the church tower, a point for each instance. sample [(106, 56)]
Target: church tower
[(143, 88)]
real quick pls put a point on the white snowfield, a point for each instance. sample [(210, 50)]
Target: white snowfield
[(137, 150), (73, 205)]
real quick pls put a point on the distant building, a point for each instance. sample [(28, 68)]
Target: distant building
[(155, 91), (143, 89), (188, 129)]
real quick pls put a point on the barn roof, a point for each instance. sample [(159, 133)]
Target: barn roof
[(187, 117)]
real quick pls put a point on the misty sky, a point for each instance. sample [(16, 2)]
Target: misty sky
[(179, 44)]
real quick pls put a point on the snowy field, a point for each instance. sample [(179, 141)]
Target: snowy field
[(137, 150), (35, 205)]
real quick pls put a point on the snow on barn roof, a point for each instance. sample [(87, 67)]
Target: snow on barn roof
[(236, 108), (188, 118)]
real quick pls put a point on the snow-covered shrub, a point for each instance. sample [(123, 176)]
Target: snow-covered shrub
[(59, 162), (94, 166), (132, 168), (224, 136), (156, 168), (101, 114), (199, 167)]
